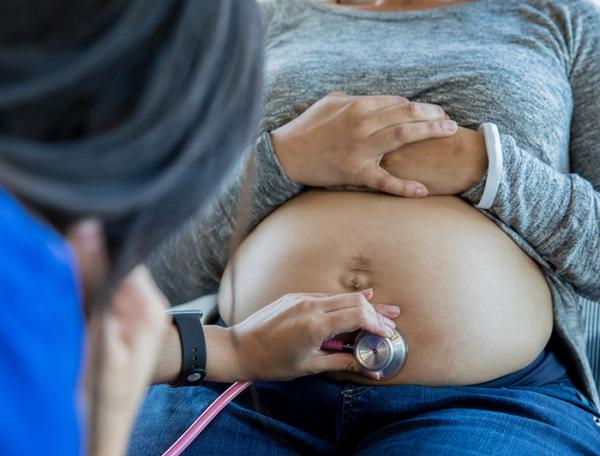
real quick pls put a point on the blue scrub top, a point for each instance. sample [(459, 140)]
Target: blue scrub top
[(41, 335)]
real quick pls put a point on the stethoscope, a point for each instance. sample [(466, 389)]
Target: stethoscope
[(381, 357)]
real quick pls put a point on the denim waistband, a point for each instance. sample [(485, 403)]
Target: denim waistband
[(544, 369)]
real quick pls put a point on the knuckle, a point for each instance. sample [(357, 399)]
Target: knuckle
[(362, 126), (364, 317), (354, 107), (357, 173), (413, 109), (400, 134), (290, 297), (355, 299), (383, 183), (305, 305), (433, 128)]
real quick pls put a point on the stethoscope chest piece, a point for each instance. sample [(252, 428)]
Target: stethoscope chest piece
[(380, 355)]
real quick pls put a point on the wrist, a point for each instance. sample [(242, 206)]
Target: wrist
[(170, 360), (472, 145), (280, 149), (222, 356)]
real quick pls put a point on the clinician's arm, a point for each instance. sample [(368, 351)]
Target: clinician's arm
[(282, 340), (132, 342)]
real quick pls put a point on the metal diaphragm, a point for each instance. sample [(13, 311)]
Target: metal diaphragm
[(384, 356)]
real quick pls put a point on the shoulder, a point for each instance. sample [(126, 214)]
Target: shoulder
[(572, 11), (278, 14), (32, 253), (41, 330), (569, 10), (578, 22)]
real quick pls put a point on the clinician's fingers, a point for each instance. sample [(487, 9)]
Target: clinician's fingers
[(339, 362), (333, 362), (347, 300), (387, 310), (355, 318), (368, 293)]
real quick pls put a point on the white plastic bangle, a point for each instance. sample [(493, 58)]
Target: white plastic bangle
[(493, 147)]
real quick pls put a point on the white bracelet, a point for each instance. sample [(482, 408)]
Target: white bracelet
[(493, 147)]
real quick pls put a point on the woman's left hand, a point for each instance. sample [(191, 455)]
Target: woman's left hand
[(446, 166)]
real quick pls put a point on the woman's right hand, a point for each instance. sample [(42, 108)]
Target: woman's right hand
[(341, 140), (282, 340)]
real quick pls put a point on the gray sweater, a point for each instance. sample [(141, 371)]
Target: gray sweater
[(532, 67)]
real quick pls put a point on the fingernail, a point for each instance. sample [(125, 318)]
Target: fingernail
[(368, 293), (394, 310), (449, 125), (420, 191)]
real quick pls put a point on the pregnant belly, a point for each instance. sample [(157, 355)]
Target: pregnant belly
[(473, 306)]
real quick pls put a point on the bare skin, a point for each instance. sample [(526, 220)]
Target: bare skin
[(139, 342), (474, 306)]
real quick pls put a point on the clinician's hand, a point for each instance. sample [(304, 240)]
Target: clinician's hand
[(341, 140), (282, 340), (124, 342)]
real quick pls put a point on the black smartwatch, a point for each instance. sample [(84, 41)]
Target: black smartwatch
[(193, 346)]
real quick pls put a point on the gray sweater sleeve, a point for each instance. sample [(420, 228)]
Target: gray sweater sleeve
[(192, 262), (559, 214)]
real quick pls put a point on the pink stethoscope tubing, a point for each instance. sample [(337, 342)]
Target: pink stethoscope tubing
[(206, 418), (221, 402)]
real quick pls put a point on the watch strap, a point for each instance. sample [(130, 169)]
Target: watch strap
[(193, 347)]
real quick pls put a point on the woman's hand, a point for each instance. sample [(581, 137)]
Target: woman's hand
[(341, 141), (447, 166), (282, 340)]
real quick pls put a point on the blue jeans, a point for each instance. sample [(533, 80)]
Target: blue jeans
[(316, 416)]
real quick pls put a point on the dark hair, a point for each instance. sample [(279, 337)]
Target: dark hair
[(130, 111)]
